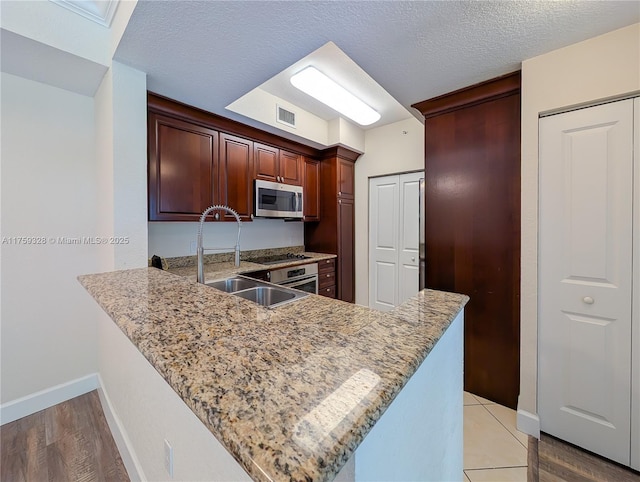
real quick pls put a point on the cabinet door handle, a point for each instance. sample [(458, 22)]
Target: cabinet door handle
[(216, 216), (339, 193), (588, 300), (328, 276)]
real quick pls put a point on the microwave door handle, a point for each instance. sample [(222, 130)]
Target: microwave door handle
[(299, 202)]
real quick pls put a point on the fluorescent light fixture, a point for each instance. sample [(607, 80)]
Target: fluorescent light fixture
[(313, 82)]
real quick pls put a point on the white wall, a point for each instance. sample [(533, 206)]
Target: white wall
[(129, 166), (598, 68), (152, 412), (390, 149), (175, 239), (50, 170)]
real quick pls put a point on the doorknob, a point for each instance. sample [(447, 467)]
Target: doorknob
[(588, 300), (413, 258)]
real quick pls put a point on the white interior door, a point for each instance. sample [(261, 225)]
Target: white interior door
[(585, 277), (383, 242), (409, 236), (393, 239)]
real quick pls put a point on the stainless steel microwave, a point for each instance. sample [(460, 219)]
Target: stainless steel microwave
[(277, 200)]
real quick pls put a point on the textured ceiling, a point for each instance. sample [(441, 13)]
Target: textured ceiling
[(210, 53)]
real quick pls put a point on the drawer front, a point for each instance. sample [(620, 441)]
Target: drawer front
[(329, 292), (327, 265), (326, 279)]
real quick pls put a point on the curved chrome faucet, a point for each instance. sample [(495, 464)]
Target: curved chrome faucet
[(201, 248)]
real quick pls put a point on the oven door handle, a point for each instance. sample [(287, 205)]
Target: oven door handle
[(298, 281)]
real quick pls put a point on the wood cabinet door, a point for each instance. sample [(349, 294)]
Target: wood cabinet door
[(311, 185), (235, 174), (346, 178), (182, 160), (290, 168), (266, 162), (346, 266)]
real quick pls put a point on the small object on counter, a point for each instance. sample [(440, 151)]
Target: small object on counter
[(158, 262)]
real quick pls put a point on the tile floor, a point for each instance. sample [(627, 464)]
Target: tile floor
[(494, 450)]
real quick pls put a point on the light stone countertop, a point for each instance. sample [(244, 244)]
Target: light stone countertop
[(225, 269), (257, 378)]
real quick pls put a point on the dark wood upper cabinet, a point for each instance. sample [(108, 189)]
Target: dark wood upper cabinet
[(277, 165), (197, 159), (266, 162), (290, 168), (311, 185), (334, 233), (182, 160), (472, 196), (346, 178), (235, 175)]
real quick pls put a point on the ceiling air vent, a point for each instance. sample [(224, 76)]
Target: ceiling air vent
[(286, 117)]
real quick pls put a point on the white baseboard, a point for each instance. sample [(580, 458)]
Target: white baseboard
[(528, 423), (49, 397), (125, 447)]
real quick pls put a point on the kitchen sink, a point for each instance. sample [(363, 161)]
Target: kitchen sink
[(259, 292), (269, 296), (231, 285)]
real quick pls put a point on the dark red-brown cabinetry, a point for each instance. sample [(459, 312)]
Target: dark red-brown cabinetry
[(182, 169), (311, 185), (472, 193), (197, 159), (334, 233)]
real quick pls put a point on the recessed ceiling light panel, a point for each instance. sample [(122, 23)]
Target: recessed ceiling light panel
[(314, 83)]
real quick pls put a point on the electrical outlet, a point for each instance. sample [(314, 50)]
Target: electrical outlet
[(192, 247), (168, 457)]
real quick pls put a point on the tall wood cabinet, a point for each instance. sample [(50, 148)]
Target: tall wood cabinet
[(334, 233), (472, 238)]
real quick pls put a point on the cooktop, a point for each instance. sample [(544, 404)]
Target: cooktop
[(279, 258)]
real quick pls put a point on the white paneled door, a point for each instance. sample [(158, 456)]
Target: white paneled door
[(585, 277), (393, 239)]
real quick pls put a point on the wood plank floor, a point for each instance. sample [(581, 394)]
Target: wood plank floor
[(70, 441), (552, 460)]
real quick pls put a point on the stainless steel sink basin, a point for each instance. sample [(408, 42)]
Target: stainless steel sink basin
[(231, 285), (259, 292), (269, 296)]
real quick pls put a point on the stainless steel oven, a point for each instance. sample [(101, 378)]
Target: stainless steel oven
[(303, 277)]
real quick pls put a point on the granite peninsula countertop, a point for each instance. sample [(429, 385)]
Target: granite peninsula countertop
[(218, 270), (257, 377)]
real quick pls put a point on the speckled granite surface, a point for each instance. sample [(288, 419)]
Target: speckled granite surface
[(187, 261), (224, 269), (290, 392)]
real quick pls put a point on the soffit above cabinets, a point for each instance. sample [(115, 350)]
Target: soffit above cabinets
[(333, 62), (98, 11)]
